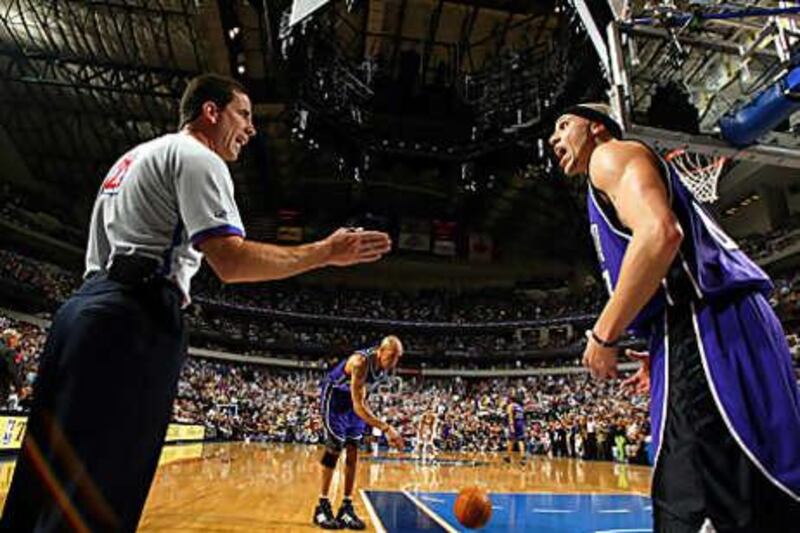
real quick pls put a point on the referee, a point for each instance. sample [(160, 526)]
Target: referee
[(110, 367)]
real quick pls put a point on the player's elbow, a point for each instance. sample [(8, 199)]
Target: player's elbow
[(668, 236), (359, 411)]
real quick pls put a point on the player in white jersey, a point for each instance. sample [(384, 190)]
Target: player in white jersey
[(109, 371), (427, 430)]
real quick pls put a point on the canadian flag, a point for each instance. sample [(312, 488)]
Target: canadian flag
[(480, 247)]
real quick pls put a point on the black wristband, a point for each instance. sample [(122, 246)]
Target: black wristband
[(603, 343)]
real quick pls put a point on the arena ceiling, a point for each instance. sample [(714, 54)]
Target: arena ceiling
[(81, 81)]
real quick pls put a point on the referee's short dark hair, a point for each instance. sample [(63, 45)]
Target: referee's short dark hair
[(204, 88)]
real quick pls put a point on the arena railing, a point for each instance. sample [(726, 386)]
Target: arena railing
[(393, 325)]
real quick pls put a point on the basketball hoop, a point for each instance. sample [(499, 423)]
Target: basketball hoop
[(699, 172)]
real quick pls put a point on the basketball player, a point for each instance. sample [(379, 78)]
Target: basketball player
[(346, 415), (427, 429), (725, 408), (110, 368), (515, 431)]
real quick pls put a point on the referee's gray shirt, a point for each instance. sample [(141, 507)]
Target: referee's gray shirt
[(160, 200)]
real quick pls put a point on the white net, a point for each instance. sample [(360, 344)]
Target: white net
[(699, 172)]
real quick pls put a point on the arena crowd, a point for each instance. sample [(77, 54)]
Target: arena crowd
[(567, 414)]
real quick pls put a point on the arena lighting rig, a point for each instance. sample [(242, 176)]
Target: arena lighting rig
[(502, 103)]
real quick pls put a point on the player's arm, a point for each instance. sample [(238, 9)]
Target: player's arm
[(631, 178), (235, 259), (510, 412), (357, 366)]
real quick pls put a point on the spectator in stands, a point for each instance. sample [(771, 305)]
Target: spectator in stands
[(10, 359)]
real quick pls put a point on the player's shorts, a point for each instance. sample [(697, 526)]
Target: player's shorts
[(515, 432), (342, 425), (702, 472), (425, 436)]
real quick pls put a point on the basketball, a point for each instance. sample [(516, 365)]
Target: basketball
[(473, 507)]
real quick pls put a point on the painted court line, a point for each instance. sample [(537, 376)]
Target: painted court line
[(614, 511), (552, 511), (551, 493), (373, 516), (433, 516), (624, 531)]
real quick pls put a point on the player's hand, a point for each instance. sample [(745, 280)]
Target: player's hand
[(350, 246), (640, 381), (601, 361), (394, 438)]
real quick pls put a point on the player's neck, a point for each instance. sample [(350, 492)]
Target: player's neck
[(599, 140)]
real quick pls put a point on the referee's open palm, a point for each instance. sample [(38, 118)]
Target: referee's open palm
[(352, 246)]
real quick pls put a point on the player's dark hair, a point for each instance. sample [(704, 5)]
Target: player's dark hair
[(206, 88)]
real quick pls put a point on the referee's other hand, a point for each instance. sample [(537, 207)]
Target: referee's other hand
[(350, 246)]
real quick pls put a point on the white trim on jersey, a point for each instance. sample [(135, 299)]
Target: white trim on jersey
[(711, 385)]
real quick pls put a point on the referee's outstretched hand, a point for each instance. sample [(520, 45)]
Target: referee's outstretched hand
[(350, 246)]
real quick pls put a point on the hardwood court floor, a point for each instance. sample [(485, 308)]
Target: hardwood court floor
[(241, 487), (254, 487)]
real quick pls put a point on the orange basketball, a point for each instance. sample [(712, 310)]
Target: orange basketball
[(473, 507)]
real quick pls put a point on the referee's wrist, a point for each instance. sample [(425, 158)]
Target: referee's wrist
[(605, 343)]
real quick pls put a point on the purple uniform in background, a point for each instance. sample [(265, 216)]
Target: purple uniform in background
[(743, 349), (517, 430), (341, 422)]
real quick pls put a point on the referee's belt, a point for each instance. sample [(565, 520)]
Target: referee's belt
[(134, 270)]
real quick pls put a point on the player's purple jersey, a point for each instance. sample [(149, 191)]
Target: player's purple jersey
[(518, 413), (708, 266), (338, 380), (338, 416), (742, 346), (517, 429)]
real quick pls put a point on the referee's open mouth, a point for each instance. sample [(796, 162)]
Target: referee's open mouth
[(240, 141)]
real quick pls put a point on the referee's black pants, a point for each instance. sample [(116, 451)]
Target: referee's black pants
[(702, 473), (102, 403)]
